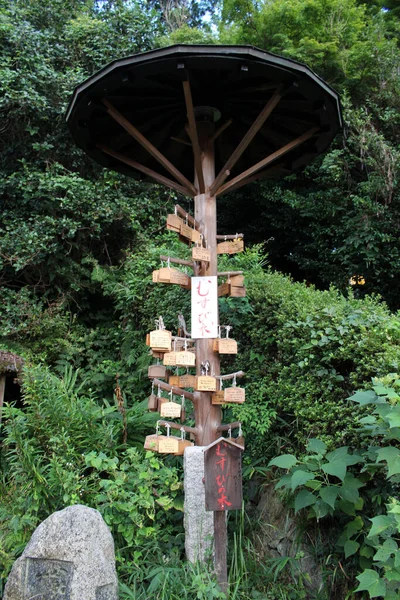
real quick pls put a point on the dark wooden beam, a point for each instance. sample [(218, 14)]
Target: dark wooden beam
[(139, 137), (173, 425), (221, 129), (237, 153), (193, 135), (259, 175), (177, 261), (175, 390), (153, 174), (258, 166)]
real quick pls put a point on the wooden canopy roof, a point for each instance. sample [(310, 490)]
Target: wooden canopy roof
[(138, 115)]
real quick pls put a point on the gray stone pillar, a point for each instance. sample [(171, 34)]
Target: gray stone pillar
[(199, 524)]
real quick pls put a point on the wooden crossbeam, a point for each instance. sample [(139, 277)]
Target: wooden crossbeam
[(221, 129), (230, 237), (153, 174), (178, 261), (254, 177), (258, 166), (228, 426), (173, 425), (194, 135), (181, 211), (139, 137), (248, 137), (175, 390), (181, 141)]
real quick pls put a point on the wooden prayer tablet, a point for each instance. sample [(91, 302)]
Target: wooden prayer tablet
[(160, 402), (224, 289), (174, 380), (155, 275), (235, 395), (151, 442), (164, 275), (147, 339), (170, 358), (230, 247), (168, 445), (160, 340), (171, 409), (196, 236), (179, 278), (226, 346), (218, 397), (182, 444), (155, 354), (237, 292), (187, 381), (206, 383), (188, 285), (201, 254), (185, 359), (174, 223), (236, 280), (158, 371), (186, 231), (152, 403)]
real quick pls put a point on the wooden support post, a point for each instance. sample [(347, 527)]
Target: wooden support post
[(2, 390), (220, 544)]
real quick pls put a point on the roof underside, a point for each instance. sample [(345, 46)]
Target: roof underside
[(136, 104)]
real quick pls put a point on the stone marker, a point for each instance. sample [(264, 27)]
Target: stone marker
[(70, 556), (199, 524)]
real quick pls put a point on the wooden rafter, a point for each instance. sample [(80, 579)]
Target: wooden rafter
[(221, 129), (139, 137), (237, 153), (193, 135), (139, 167), (269, 159), (254, 177)]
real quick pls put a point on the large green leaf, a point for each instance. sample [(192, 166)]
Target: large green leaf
[(337, 468), (317, 446), (392, 456), (350, 548), (329, 494), (303, 499), (364, 397), (300, 478), (286, 461), (388, 548), (380, 524), (372, 583), (350, 487)]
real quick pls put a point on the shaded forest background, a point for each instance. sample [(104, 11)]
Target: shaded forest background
[(78, 244)]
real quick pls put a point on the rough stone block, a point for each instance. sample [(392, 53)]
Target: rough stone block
[(70, 556)]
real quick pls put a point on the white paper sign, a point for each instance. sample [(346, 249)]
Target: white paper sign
[(204, 307)]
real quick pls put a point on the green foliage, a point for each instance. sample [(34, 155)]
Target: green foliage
[(64, 448), (358, 488)]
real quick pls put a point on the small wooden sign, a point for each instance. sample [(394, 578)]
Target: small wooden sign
[(196, 236), (169, 359), (179, 278), (237, 292), (182, 444), (168, 445), (201, 254), (158, 371), (225, 346), (237, 280), (152, 403), (151, 442), (206, 383), (223, 475), (155, 275), (224, 289), (174, 223), (187, 381), (156, 354), (164, 275), (234, 395), (218, 397), (174, 380), (171, 409), (160, 340), (230, 247), (186, 231), (185, 359)]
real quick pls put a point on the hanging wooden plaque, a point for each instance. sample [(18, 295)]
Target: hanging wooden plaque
[(174, 223), (171, 409), (218, 397), (164, 275), (160, 340), (206, 383), (235, 395), (196, 236), (237, 292), (156, 354), (185, 359), (187, 381), (182, 444), (152, 403), (160, 401), (200, 253), (224, 289), (147, 339), (174, 380), (230, 247), (179, 277), (169, 359), (237, 280), (155, 275), (186, 231), (158, 371), (151, 442), (168, 445), (223, 475), (227, 346)]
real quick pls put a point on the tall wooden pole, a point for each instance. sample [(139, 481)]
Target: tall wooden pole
[(207, 415)]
